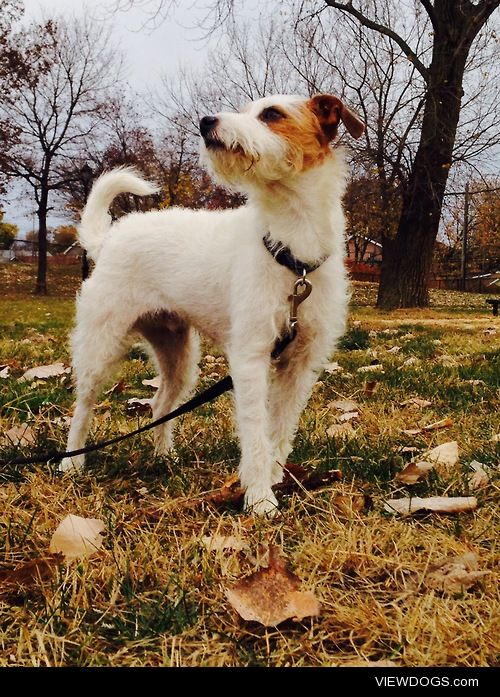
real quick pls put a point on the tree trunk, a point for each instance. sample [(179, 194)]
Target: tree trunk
[(407, 258), (41, 279)]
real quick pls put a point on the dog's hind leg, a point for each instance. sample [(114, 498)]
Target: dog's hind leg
[(177, 353), (99, 341)]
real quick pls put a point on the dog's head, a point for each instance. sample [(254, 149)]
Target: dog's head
[(273, 138)]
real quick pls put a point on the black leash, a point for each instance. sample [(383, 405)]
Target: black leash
[(198, 400)]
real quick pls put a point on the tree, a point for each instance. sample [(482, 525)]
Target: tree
[(64, 235), (54, 109), (455, 25), (8, 232)]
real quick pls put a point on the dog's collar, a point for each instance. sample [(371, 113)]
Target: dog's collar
[(284, 256)]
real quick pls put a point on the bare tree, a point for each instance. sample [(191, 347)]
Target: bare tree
[(54, 111)]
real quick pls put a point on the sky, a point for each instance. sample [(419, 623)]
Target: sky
[(149, 52)]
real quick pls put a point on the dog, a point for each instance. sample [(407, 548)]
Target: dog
[(170, 274)]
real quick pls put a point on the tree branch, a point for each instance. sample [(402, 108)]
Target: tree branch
[(382, 29), (432, 15)]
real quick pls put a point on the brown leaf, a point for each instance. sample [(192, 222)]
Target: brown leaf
[(340, 431), (369, 368), (436, 504), (42, 372), (443, 423), (28, 575), (4, 371), (370, 387), (446, 453), (416, 401), (344, 405), (20, 435), (295, 478), (454, 574), (271, 596), (414, 472), (77, 537), (138, 406), (117, 388)]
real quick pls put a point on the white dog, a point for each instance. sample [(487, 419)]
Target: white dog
[(169, 274)]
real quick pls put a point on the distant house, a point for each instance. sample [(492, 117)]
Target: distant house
[(364, 250)]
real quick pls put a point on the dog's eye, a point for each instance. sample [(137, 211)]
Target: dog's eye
[(271, 114)]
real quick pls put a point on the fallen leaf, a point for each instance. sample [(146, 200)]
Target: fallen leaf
[(454, 574), (444, 423), (394, 349), (4, 371), (61, 421), (490, 330), (29, 574), (42, 372), (138, 406), (349, 416), (332, 367), (410, 449), (368, 368), (416, 401), (219, 543), (20, 435), (480, 477), (77, 537), (412, 360), (370, 387), (345, 405), (447, 360), (271, 596), (340, 430), (475, 382), (154, 382), (347, 504), (437, 504), (414, 472), (495, 438), (408, 336), (117, 388), (295, 478), (446, 454)]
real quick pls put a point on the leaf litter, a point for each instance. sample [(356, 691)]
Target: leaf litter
[(272, 596)]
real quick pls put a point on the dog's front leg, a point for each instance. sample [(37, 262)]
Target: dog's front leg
[(295, 376), (250, 372)]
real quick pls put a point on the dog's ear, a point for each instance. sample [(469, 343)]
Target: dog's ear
[(329, 110)]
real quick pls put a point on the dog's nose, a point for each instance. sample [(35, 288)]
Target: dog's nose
[(207, 123)]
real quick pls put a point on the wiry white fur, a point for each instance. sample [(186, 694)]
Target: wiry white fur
[(171, 273), (95, 218)]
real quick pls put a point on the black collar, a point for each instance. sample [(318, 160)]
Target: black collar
[(284, 256)]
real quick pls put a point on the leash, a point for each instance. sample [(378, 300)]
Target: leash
[(301, 290)]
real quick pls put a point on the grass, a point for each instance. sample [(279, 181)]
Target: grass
[(154, 595)]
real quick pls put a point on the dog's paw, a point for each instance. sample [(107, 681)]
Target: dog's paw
[(72, 464), (261, 502), (277, 473)]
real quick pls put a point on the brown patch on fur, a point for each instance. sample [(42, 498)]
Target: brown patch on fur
[(301, 129)]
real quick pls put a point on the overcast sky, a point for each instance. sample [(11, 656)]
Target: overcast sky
[(149, 52)]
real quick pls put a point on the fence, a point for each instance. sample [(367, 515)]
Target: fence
[(27, 251)]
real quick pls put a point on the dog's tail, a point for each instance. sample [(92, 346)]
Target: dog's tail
[(95, 219)]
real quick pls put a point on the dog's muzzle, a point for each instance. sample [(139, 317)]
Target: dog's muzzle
[(208, 124)]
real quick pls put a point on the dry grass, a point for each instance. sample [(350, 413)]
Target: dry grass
[(155, 594)]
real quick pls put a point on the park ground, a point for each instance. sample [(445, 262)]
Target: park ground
[(154, 594)]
